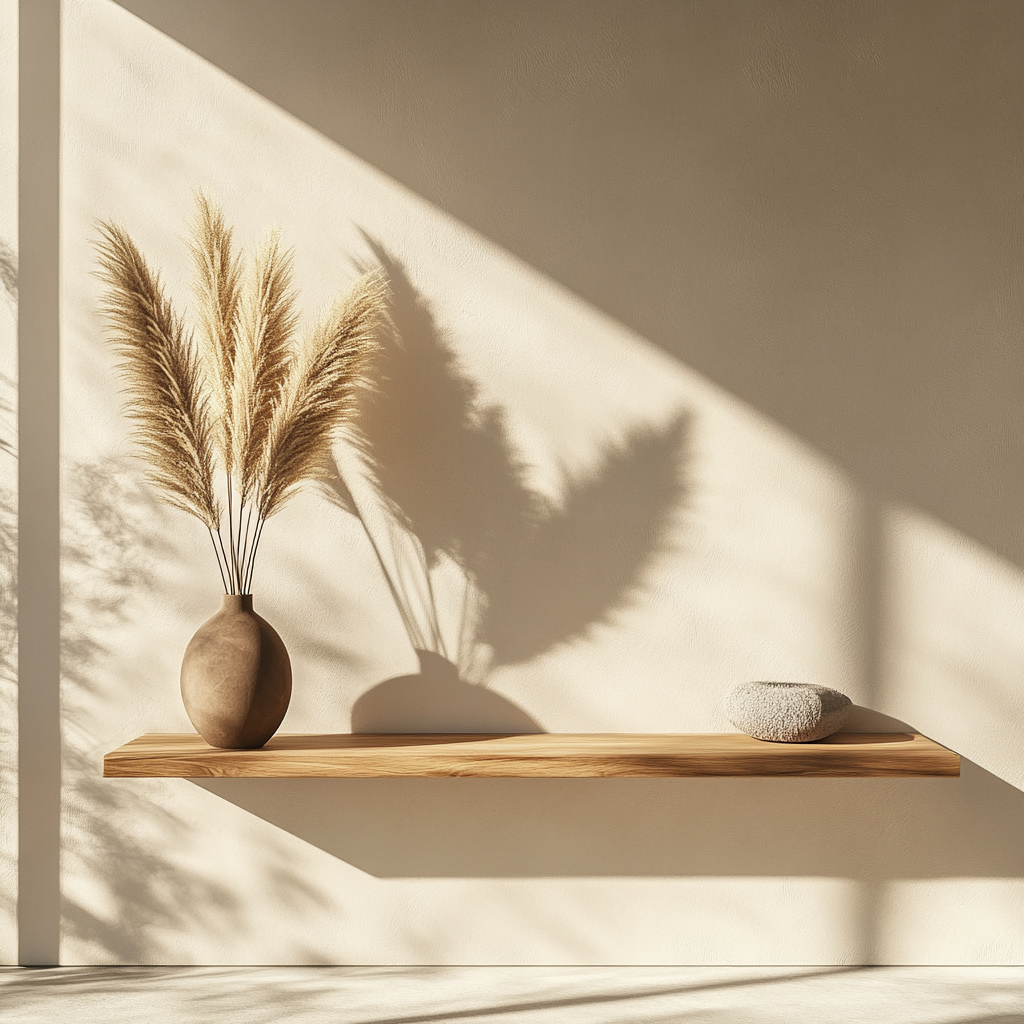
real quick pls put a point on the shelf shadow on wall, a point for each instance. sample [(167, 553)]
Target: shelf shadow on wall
[(440, 483), (527, 828)]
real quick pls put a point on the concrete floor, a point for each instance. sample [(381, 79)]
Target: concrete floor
[(512, 995)]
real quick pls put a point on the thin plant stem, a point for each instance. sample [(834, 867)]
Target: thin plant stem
[(252, 557), (231, 540), (216, 555), (247, 550), (241, 550), (248, 526), (245, 542), (227, 564), (257, 534), (238, 543)]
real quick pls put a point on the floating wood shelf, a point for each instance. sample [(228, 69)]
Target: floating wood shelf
[(547, 755)]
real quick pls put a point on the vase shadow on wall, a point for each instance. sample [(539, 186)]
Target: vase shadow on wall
[(437, 700), (441, 488)]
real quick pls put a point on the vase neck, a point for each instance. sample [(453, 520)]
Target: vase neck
[(236, 603)]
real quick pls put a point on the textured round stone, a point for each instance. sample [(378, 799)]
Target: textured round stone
[(787, 712)]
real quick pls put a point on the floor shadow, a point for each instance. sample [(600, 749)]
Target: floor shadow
[(972, 826), (994, 1018), (407, 995), (436, 700)]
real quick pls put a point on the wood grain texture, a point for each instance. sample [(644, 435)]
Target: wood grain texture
[(544, 755)]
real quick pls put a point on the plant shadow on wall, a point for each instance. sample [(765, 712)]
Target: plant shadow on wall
[(126, 892), (484, 570)]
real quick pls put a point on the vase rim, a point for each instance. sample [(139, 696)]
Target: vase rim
[(236, 602)]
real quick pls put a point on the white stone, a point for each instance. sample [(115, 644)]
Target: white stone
[(787, 712)]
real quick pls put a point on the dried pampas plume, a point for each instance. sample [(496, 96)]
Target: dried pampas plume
[(320, 394), (161, 373), (268, 322), (266, 404), (216, 285)]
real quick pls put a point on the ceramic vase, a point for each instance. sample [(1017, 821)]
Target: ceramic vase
[(236, 678)]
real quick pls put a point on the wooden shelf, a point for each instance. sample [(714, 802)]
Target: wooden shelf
[(639, 755)]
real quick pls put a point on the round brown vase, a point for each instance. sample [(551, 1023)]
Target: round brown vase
[(236, 679)]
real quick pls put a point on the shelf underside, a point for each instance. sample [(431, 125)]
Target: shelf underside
[(543, 755)]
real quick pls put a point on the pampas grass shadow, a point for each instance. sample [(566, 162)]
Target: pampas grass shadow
[(587, 557), (445, 472)]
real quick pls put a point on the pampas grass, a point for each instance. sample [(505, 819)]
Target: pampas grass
[(161, 372), (320, 392), (252, 395), (216, 285)]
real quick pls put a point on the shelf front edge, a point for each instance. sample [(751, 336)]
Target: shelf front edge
[(544, 755)]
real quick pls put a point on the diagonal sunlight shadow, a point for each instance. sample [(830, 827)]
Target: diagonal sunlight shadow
[(9, 272), (802, 279)]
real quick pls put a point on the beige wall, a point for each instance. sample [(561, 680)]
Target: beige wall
[(731, 292)]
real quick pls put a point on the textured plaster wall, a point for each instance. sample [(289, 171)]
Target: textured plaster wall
[(723, 302)]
